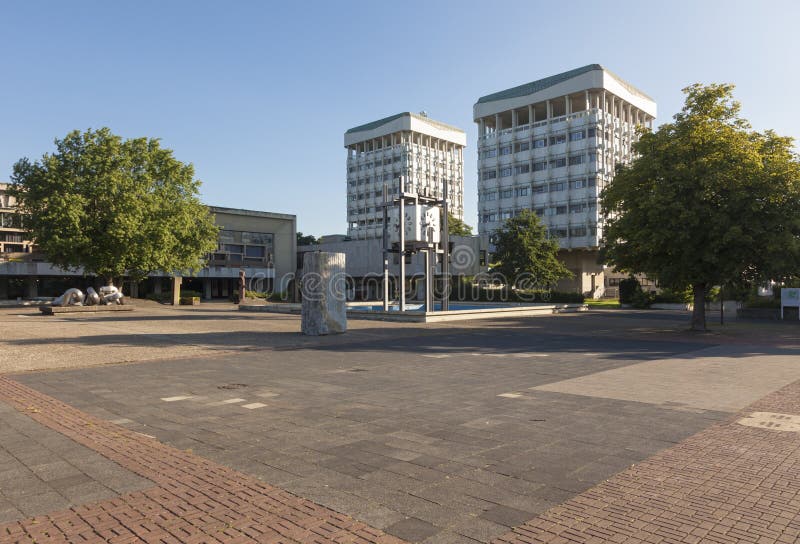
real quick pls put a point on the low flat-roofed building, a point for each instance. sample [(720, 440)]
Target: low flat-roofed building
[(263, 244)]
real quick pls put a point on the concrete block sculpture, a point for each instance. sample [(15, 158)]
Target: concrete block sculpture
[(324, 292)]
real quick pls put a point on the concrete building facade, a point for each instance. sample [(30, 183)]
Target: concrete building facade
[(407, 152), (263, 244), (14, 241), (550, 146)]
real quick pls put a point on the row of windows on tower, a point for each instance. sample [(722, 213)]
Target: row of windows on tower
[(525, 190), (538, 143), (542, 211), (394, 178), (369, 222), (452, 194), (538, 166), (397, 159)]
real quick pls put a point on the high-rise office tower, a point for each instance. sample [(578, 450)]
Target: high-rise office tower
[(408, 152), (550, 146)]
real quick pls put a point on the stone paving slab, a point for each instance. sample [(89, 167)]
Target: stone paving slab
[(388, 440), (730, 483), (194, 500), (41, 470), (450, 442), (156, 332), (739, 378)]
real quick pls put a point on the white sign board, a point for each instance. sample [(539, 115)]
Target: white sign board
[(790, 296)]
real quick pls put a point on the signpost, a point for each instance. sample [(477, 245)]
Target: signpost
[(790, 296)]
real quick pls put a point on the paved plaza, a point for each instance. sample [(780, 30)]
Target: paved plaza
[(207, 424)]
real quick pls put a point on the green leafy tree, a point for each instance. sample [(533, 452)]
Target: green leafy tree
[(114, 207), (706, 202), (306, 239), (524, 254), (457, 227)]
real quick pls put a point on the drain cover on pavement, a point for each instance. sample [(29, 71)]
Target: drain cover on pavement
[(232, 386), (771, 420)]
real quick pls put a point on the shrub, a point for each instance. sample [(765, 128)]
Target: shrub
[(279, 296), (627, 289), (468, 292), (642, 299), (166, 296), (755, 301), (763, 302), (673, 296)]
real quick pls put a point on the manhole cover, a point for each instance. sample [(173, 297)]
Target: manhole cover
[(232, 386)]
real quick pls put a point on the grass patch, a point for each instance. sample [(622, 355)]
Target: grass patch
[(603, 303)]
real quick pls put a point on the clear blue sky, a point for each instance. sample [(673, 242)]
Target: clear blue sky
[(257, 95)]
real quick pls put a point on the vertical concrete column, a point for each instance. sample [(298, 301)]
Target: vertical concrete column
[(31, 287), (531, 116), (514, 119), (588, 102), (481, 128), (207, 288), (629, 127), (402, 254), (602, 101), (497, 122), (567, 105), (176, 290)]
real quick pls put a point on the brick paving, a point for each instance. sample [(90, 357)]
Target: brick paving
[(727, 484), (42, 470), (195, 500), (425, 449)]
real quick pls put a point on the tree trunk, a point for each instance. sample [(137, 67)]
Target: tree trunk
[(699, 311)]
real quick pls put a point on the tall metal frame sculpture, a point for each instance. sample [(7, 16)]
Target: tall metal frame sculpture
[(404, 248)]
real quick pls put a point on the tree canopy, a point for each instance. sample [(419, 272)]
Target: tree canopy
[(457, 227), (706, 201), (114, 207), (306, 239), (525, 256)]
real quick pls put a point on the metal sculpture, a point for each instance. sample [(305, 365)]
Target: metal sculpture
[(109, 294), (71, 297), (92, 298)]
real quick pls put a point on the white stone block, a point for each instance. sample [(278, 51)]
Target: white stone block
[(324, 291)]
